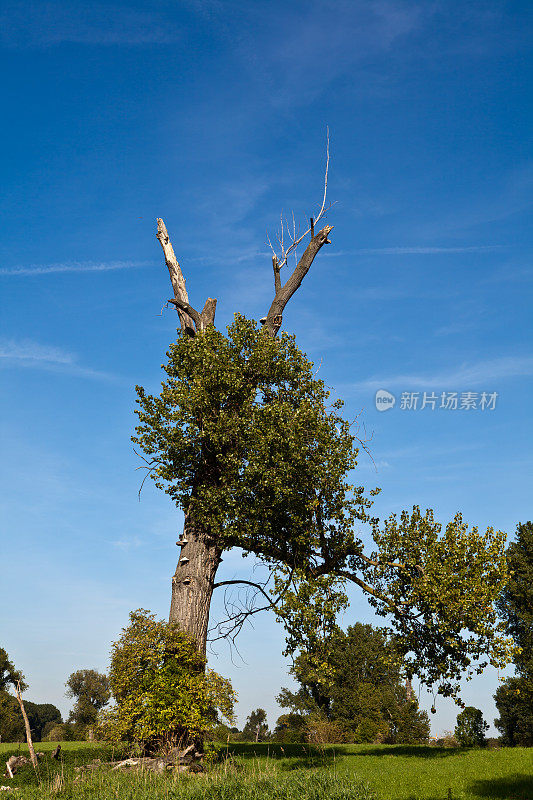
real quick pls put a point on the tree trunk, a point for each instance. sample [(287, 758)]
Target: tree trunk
[(27, 726), (192, 584)]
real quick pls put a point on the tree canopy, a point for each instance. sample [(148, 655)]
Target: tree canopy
[(470, 728), (9, 676), (91, 690), (242, 437), (256, 726)]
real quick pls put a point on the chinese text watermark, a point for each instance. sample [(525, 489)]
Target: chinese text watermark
[(446, 401)]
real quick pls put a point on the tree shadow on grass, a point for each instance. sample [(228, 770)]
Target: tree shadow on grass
[(418, 751), (511, 787), (298, 755)]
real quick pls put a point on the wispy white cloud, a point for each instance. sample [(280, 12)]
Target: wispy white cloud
[(32, 355), (465, 376), (72, 266)]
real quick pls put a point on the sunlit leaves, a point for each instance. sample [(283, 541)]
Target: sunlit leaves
[(162, 691)]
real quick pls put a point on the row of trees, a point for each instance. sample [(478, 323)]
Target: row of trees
[(89, 688)]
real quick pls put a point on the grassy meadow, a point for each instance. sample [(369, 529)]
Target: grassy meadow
[(290, 772)]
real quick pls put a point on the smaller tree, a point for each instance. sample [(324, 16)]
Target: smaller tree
[(164, 694), (470, 728), (91, 690), (353, 679), (256, 727), (514, 698), (409, 725), (11, 722), (9, 676), (514, 701), (290, 728)]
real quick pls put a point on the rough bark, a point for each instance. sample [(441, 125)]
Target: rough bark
[(192, 584), (176, 276)]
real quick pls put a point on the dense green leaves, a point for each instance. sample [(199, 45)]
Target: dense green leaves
[(514, 701), (441, 588), (355, 679), (163, 694), (241, 435), (470, 728), (256, 726), (9, 676), (91, 690), (514, 698)]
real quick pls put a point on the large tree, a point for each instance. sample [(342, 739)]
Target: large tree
[(245, 441), (514, 698)]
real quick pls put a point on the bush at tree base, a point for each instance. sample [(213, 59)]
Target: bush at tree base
[(164, 695)]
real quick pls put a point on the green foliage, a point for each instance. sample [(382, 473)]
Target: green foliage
[(290, 728), (9, 676), (256, 727), (355, 680), (247, 409), (409, 725), (516, 600), (11, 722), (453, 578), (470, 728), (514, 701), (163, 693), (514, 698), (40, 715), (91, 690), (241, 437)]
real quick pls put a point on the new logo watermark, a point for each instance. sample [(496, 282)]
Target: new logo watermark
[(446, 401), (384, 400)]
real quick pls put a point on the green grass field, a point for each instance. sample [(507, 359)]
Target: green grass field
[(292, 772)]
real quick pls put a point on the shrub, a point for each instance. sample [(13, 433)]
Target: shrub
[(164, 694)]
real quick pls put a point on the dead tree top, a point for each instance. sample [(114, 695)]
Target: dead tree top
[(193, 321)]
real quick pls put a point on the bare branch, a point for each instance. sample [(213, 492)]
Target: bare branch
[(187, 309), (284, 294), (322, 208), (176, 275), (238, 612)]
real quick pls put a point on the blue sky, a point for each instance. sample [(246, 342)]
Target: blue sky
[(213, 115)]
